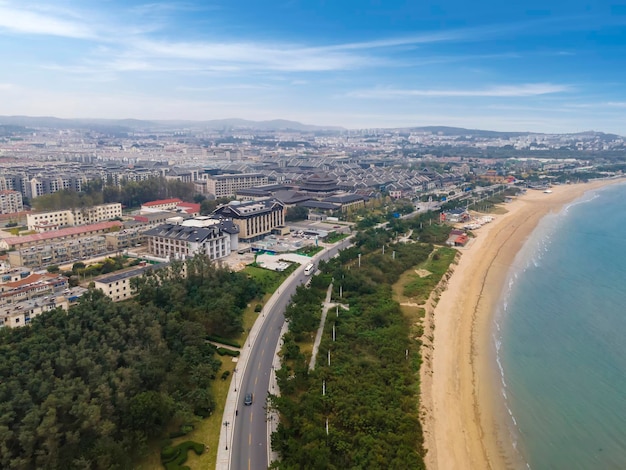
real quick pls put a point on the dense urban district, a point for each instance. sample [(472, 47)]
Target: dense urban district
[(136, 257)]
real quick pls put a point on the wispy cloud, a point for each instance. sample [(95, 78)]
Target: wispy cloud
[(35, 22), (528, 89)]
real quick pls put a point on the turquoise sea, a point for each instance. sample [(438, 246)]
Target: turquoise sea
[(560, 337)]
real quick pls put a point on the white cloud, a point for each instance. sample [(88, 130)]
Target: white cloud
[(528, 89), (33, 22)]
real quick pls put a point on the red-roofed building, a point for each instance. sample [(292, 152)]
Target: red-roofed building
[(160, 205), (189, 208), (35, 285)]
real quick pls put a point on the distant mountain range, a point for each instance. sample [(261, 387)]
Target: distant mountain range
[(130, 125), (138, 124)]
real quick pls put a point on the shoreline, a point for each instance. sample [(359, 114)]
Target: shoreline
[(461, 406)]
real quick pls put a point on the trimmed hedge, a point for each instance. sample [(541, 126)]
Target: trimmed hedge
[(173, 458), (227, 352), (227, 342)]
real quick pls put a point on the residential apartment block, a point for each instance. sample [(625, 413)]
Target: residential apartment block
[(30, 287), (10, 202), (47, 221), (228, 185), (255, 219), (40, 239), (23, 299), (63, 251)]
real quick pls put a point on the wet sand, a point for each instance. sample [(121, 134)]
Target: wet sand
[(461, 406)]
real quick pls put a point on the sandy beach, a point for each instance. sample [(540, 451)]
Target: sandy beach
[(459, 406)]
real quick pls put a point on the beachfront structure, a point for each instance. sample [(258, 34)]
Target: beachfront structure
[(11, 202), (53, 220), (215, 237), (255, 219)]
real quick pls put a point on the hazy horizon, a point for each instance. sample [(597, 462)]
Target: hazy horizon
[(551, 67)]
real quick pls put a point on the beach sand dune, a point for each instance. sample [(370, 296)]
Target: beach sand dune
[(461, 408)]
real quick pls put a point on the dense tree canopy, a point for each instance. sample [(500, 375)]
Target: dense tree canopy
[(129, 193), (372, 384), (86, 389)]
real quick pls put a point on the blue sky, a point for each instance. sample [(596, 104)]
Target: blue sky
[(536, 65)]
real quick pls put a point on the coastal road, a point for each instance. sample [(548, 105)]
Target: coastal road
[(248, 448)]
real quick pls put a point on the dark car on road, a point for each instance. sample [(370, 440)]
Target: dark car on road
[(248, 399)]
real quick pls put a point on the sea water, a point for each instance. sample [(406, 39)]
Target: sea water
[(560, 336)]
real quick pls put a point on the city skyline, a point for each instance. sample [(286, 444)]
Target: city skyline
[(544, 67)]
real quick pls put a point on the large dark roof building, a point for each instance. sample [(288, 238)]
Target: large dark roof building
[(255, 219)]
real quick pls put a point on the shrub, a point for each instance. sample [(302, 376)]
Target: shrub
[(225, 374), (258, 308), (227, 352), (173, 458), (227, 342)]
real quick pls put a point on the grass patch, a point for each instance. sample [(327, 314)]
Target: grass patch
[(335, 237), (309, 250), (269, 280), (419, 288)]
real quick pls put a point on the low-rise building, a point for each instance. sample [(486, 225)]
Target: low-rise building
[(31, 287), (21, 313), (348, 202), (117, 286), (160, 205)]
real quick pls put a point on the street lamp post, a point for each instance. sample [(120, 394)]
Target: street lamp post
[(226, 423), (235, 377)]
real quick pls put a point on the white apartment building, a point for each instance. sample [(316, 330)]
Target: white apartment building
[(47, 221), (178, 239), (10, 202), (227, 185)]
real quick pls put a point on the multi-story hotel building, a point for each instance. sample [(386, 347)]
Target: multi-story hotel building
[(228, 185), (255, 219), (47, 221), (10, 202), (215, 237)]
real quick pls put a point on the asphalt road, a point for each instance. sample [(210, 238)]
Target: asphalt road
[(249, 446)]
